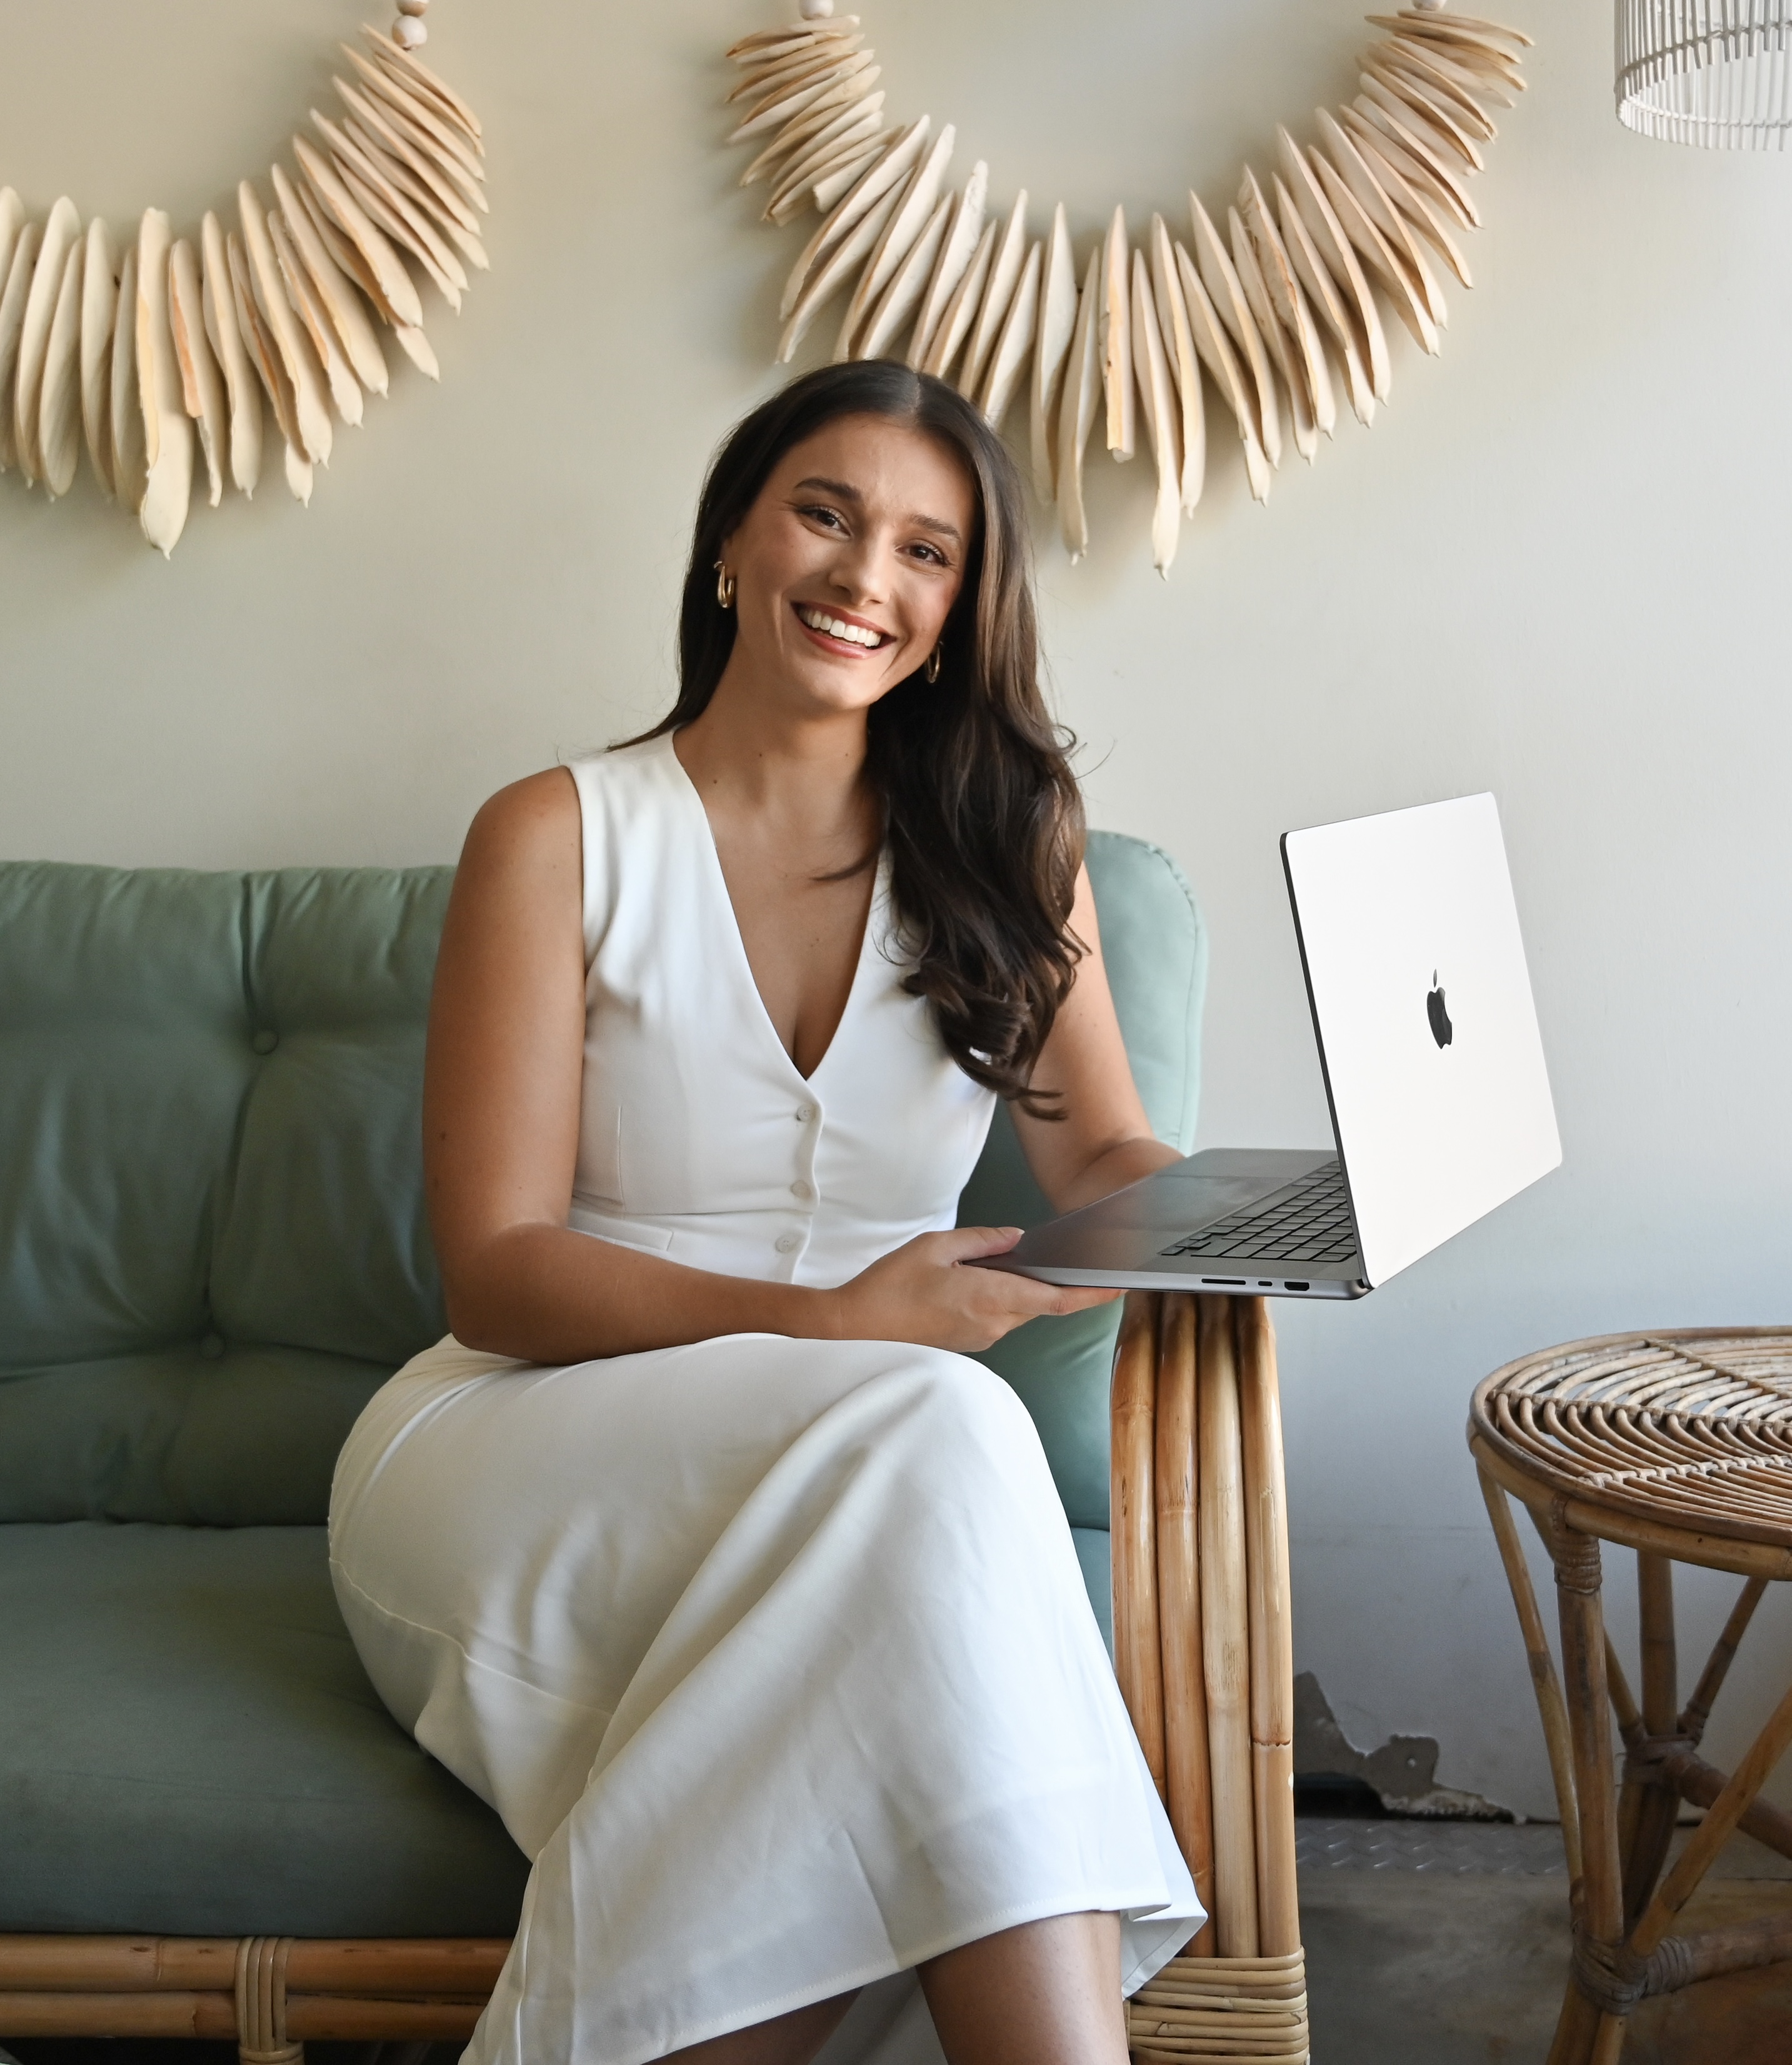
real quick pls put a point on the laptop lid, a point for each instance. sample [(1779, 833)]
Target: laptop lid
[(1427, 1030)]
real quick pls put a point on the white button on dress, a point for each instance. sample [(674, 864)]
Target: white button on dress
[(773, 1654)]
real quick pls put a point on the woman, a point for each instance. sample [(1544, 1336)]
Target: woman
[(698, 1549)]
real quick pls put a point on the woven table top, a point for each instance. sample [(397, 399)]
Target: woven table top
[(1688, 1430)]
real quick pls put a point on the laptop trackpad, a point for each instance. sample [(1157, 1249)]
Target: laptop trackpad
[(1119, 1232)]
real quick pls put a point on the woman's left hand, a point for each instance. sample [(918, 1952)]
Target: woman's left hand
[(923, 1292)]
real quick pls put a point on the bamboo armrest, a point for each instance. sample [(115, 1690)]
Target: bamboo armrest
[(1202, 1640)]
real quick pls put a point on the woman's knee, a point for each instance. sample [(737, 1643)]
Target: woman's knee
[(963, 1404)]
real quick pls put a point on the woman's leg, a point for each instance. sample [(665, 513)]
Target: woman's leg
[(790, 2039), (1048, 1993)]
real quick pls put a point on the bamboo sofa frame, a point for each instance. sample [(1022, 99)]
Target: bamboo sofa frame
[(1203, 1653)]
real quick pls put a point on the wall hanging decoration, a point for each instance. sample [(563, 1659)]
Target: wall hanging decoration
[(1714, 72), (140, 349), (1271, 304)]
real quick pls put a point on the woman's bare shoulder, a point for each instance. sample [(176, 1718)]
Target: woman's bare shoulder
[(528, 824)]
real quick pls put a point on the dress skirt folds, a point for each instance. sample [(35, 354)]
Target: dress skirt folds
[(773, 1654)]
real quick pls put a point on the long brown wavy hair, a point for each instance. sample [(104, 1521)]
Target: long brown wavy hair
[(982, 813)]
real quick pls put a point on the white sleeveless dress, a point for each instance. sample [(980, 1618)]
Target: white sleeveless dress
[(772, 1655)]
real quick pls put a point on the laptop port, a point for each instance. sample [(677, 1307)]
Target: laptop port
[(1296, 1287), (1227, 1282)]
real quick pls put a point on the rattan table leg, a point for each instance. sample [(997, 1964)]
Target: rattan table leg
[(1723, 1655), (1608, 2041), (1657, 1805), (1719, 1824), (1547, 1687), (1581, 2040), (1638, 1776)]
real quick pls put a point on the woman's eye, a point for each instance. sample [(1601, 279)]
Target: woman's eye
[(818, 514)]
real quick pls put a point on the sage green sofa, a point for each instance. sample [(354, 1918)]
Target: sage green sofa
[(212, 1251)]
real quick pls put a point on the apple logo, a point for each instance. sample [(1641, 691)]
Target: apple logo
[(1442, 1030)]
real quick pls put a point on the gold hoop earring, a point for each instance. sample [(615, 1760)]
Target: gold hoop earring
[(931, 670), (725, 585)]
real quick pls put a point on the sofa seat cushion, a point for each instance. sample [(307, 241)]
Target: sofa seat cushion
[(204, 1433), (188, 1746)]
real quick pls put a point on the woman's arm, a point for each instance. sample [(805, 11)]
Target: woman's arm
[(501, 1116), (1104, 1141)]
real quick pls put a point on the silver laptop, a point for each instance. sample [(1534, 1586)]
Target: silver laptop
[(1434, 1069)]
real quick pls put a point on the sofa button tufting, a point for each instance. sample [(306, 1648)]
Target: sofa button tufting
[(264, 1041), (211, 1346)]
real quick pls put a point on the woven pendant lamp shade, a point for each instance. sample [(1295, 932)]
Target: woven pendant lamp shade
[(1714, 72)]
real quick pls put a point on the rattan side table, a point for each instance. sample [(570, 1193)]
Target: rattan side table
[(1677, 1446)]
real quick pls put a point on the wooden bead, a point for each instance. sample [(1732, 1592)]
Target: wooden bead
[(816, 11), (414, 6), (408, 33)]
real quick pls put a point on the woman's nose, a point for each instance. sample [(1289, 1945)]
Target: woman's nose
[(863, 568)]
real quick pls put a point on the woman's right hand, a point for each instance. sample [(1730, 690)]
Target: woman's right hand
[(923, 1292)]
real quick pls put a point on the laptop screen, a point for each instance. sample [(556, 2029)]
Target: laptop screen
[(1427, 1032)]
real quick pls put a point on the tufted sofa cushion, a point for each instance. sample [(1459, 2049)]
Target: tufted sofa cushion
[(213, 1245)]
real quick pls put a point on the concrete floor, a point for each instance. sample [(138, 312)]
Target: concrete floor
[(1446, 1944), (1427, 1943)]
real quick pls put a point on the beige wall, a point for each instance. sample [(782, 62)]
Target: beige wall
[(1556, 568)]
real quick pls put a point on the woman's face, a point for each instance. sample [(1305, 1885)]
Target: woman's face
[(849, 562)]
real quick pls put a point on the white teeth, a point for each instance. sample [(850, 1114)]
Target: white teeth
[(855, 634)]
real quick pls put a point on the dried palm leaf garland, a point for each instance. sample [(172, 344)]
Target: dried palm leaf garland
[(1268, 306), (134, 349)]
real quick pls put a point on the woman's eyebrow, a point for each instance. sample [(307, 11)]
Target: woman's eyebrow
[(846, 492), (844, 489)]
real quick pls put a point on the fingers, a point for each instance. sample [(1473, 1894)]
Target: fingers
[(1024, 1298), (1038, 1299), (1081, 1300), (970, 1244), (1030, 1299)]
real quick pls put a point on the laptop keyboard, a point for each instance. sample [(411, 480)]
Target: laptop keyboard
[(1310, 1224)]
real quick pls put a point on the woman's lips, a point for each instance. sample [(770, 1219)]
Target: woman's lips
[(850, 647)]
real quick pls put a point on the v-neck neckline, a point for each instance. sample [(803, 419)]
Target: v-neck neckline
[(732, 927)]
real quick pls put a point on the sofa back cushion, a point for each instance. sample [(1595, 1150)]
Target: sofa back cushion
[(1154, 944), (124, 1063), (212, 1244), (321, 1241)]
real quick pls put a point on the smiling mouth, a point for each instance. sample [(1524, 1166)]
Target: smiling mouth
[(839, 631)]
